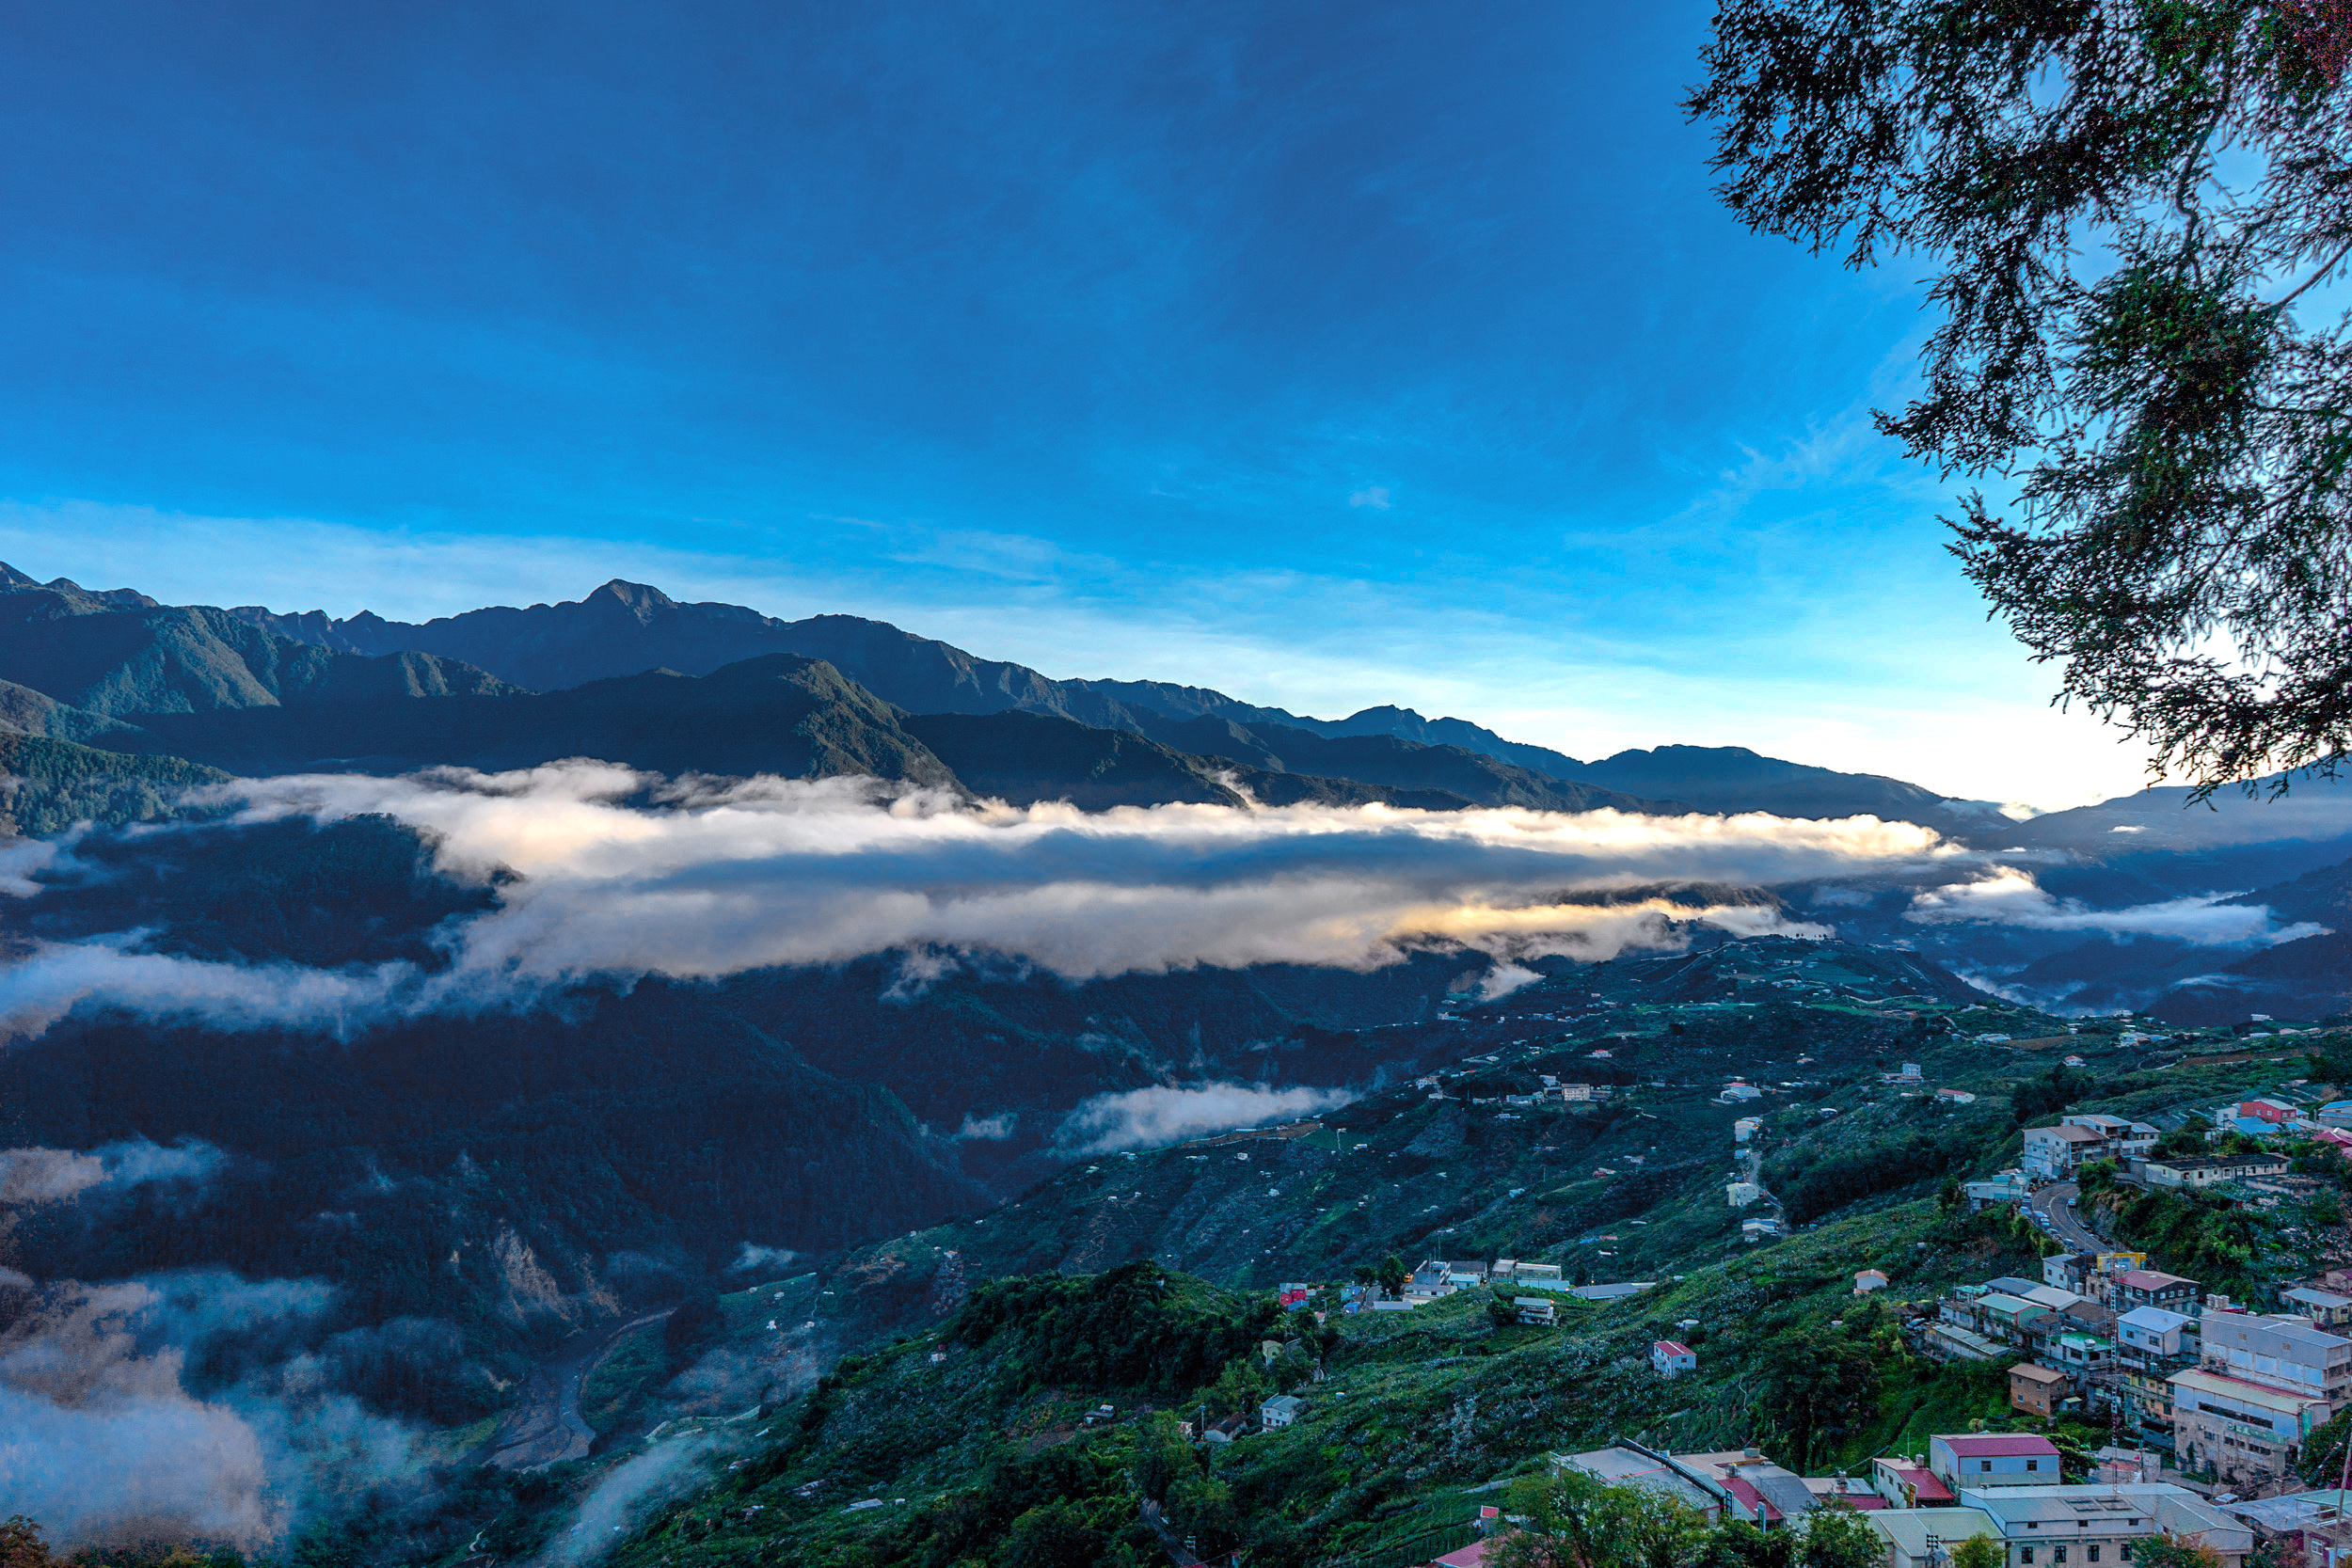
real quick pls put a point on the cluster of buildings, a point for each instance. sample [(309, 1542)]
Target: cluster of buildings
[(1440, 1277), (2229, 1392), (2006, 1487)]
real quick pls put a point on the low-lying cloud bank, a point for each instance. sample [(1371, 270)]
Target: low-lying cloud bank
[(623, 874), (2011, 897), (1150, 1118)]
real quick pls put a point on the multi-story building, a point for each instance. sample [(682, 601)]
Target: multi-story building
[(2038, 1390), (2130, 1288), (2288, 1353), (2052, 1152), (2148, 1337), (1992, 1459), (2241, 1431), (1905, 1484), (2125, 1139), (2099, 1525)]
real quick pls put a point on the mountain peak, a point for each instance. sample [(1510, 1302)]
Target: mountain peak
[(641, 600)]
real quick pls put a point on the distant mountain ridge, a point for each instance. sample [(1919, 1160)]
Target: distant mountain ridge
[(120, 670), (624, 628)]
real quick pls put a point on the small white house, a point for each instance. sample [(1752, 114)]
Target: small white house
[(1280, 1411), (1868, 1281), (1745, 1128), (1540, 1311), (1672, 1358), (1741, 1193)]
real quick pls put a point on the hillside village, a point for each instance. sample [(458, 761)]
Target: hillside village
[(2127, 1319)]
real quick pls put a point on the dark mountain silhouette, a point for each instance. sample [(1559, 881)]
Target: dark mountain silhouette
[(1387, 759), (625, 627), (778, 714), (1734, 778), (121, 654)]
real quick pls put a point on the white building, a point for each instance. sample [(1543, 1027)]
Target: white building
[(2055, 1151), (1672, 1358), (1280, 1411), (2097, 1525), (1924, 1537)]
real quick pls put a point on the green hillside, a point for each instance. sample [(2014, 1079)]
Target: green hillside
[(47, 786)]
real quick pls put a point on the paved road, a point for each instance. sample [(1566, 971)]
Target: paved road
[(2049, 1205), (546, 1426)]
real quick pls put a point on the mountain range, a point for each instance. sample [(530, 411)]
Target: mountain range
[(629, 674), (112, 704)]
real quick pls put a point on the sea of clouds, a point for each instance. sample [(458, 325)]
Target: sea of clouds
[(619, 873)]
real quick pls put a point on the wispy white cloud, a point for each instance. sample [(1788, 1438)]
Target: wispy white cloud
[(714, 879), (1149, 1118), (2011, 898)]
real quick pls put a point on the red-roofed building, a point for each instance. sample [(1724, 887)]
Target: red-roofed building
[(1759, 1507), (1672, 1357), (1975, 1458), (1904, 1484), (2134, 1287)]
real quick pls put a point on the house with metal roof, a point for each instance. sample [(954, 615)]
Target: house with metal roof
[(2130, 1288), (1992, 1459), (2323, 1307), (1908, 1485), (2096, 1526), (1628, 1463), (2212, 1172), (1924, 1537), (2146, 1336)]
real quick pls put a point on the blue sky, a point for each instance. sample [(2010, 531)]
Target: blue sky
[(1328, 355)]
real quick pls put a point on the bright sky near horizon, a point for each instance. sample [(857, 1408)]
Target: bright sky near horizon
[(1326, 355)]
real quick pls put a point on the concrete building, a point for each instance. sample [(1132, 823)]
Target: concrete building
[(2007, 1187), (2130, 1288), (2286, 1354), (2241, 1431), (1280, 1411), (2052, 1152), (2323, 1307), (1906, 1486), (2197, 1174), (2037, 1390), (1924, 1537), (2097, 1525), (1992, 1459), (1672, 1358), (2125, 1139), (2149, 1336)]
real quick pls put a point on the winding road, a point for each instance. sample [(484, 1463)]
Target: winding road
[(2049, 1205), (546, 1426)]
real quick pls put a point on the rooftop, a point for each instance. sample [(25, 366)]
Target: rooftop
[(2242, 1391), (1997, 1445), (2155, 1320), (2152, 1279), (1919, 1531)]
